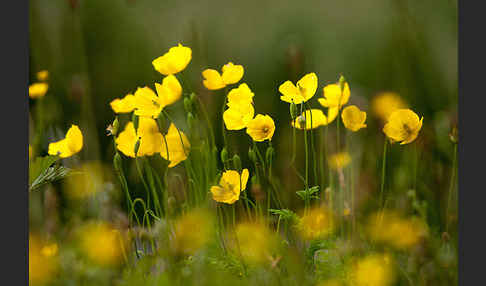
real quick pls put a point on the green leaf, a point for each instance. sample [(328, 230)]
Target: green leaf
[(42, 172), (303, 194), (284, 214)]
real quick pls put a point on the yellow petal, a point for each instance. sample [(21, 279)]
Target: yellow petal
[(174, 61), (177, 144), (353, 118), (70, 145), (125, 142), (261, 128), (403, 125), (385, 103), (333, 95), (290, 93), (236, 118), (240, 96), (124, 105), (307, 86), (212, 79), (38, 89), (169, 91), (310, 119), (232, 73), (147, 103), (222, 196)]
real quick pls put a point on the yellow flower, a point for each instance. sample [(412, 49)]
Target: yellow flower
[(255, 241), (403, 126), (177, 144), (149, 104), (236, 118), (310, 119), (174, 61), (231, 74), (101, 243), (43, 260), (187, 241), (151, 140), (339, 160), (316, 223), (385, 103), (353, 118), (42, 75), (90, 179), (261, 128), (124, 105), (230, 186), (305, 89), (391, 228), (373, 270), (38, 89), (333, 97), (242, 95), (72, 144)]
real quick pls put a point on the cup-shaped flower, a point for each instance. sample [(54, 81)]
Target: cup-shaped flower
[(70, 145), (231, 74), (310, 119), (230, 186), (261, 128), (238, 117), (242, 95), (151, 139), (149, 104), (353, 118), (123, 105), (403, 126), (385, 103), (174, 61), (42, 75), (304, 90), (334, 97), (178, 146), (38, 89)]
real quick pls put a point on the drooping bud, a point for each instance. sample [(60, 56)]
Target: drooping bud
[(137, 146), (117, 162), (224, 155), (193, 98), (342, 81), (293, 111), (135, 121), (237, 163), (252, 155)]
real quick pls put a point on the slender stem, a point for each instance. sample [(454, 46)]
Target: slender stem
[(451, 185), (306, 164), (383, 169)]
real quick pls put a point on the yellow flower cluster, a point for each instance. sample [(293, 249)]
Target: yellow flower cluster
[(230, 186)]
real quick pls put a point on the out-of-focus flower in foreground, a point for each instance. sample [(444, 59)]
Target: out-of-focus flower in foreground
[(151, 139), (70, 145), (188, 241), (174, 61), (353, 118), (339, 160), (373, 270), (304, 90), (101, 243), (403, 126), (255, 242), (42, 75), (316, 223), (261, 128), (385, 103), (43, 260), (231, 74), (177, 145), (88, 181), (38, 89), (230, 186)]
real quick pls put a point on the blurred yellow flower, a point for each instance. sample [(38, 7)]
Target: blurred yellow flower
[(231, 74), (38, 89), (87, 181), (385, 103), (395, 230), (151, 140), (149, 104), (124, 105), (333, 97), (310, 119), (230, 186), (177, 144), (101, 243), (304, 90), (72, 144), (373, 270), (261, 128), (255, 241), (339, 160), (403, 126), (186, 240), (353, 118), (174, 61), (316, 223), (43, 260), (42, 75)]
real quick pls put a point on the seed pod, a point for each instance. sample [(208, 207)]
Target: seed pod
[(237, 162), (187, 104), (224, 155), (293, 111), (137, 146), (269, 155)]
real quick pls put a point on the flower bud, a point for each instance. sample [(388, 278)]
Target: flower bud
[(237, 162), (269, 155), (187, 104), (135, 122), (190, 120), (117, 162), (293, 111), (454, 135), (192, 97), (342, 81), (137, 146), (115, 125), (252, 155), (224, 155)]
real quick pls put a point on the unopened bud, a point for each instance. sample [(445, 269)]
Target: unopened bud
[(252, 155), (293, 111), (237, 162), (192, 97), (187, 104), (137, 146), (117, 162), (115, 125), (224, 155), (190, 120), (454, 135), (269, 155), (342, 81), (135, 121)]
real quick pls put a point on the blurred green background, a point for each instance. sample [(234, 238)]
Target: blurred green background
[(96, 51)]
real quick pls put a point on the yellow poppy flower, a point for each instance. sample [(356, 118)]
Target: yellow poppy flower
[(310, 119), (403, 126), (42, 75), (339, 160), (255, 242), (261, 128), (174, 61), (231, 74), (385, 103), (186, 240), (304, 90), (70, 145), (177, 144), (316, 223), (333, 97), (373, 270), (123, 105), (149, 104), (237, 118), (38, 89), (151, 140), (101, 243), (240, 96), (230, 186), (353, 118)]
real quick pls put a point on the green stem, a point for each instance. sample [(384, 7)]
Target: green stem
[(383, 169), (451, 185)]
